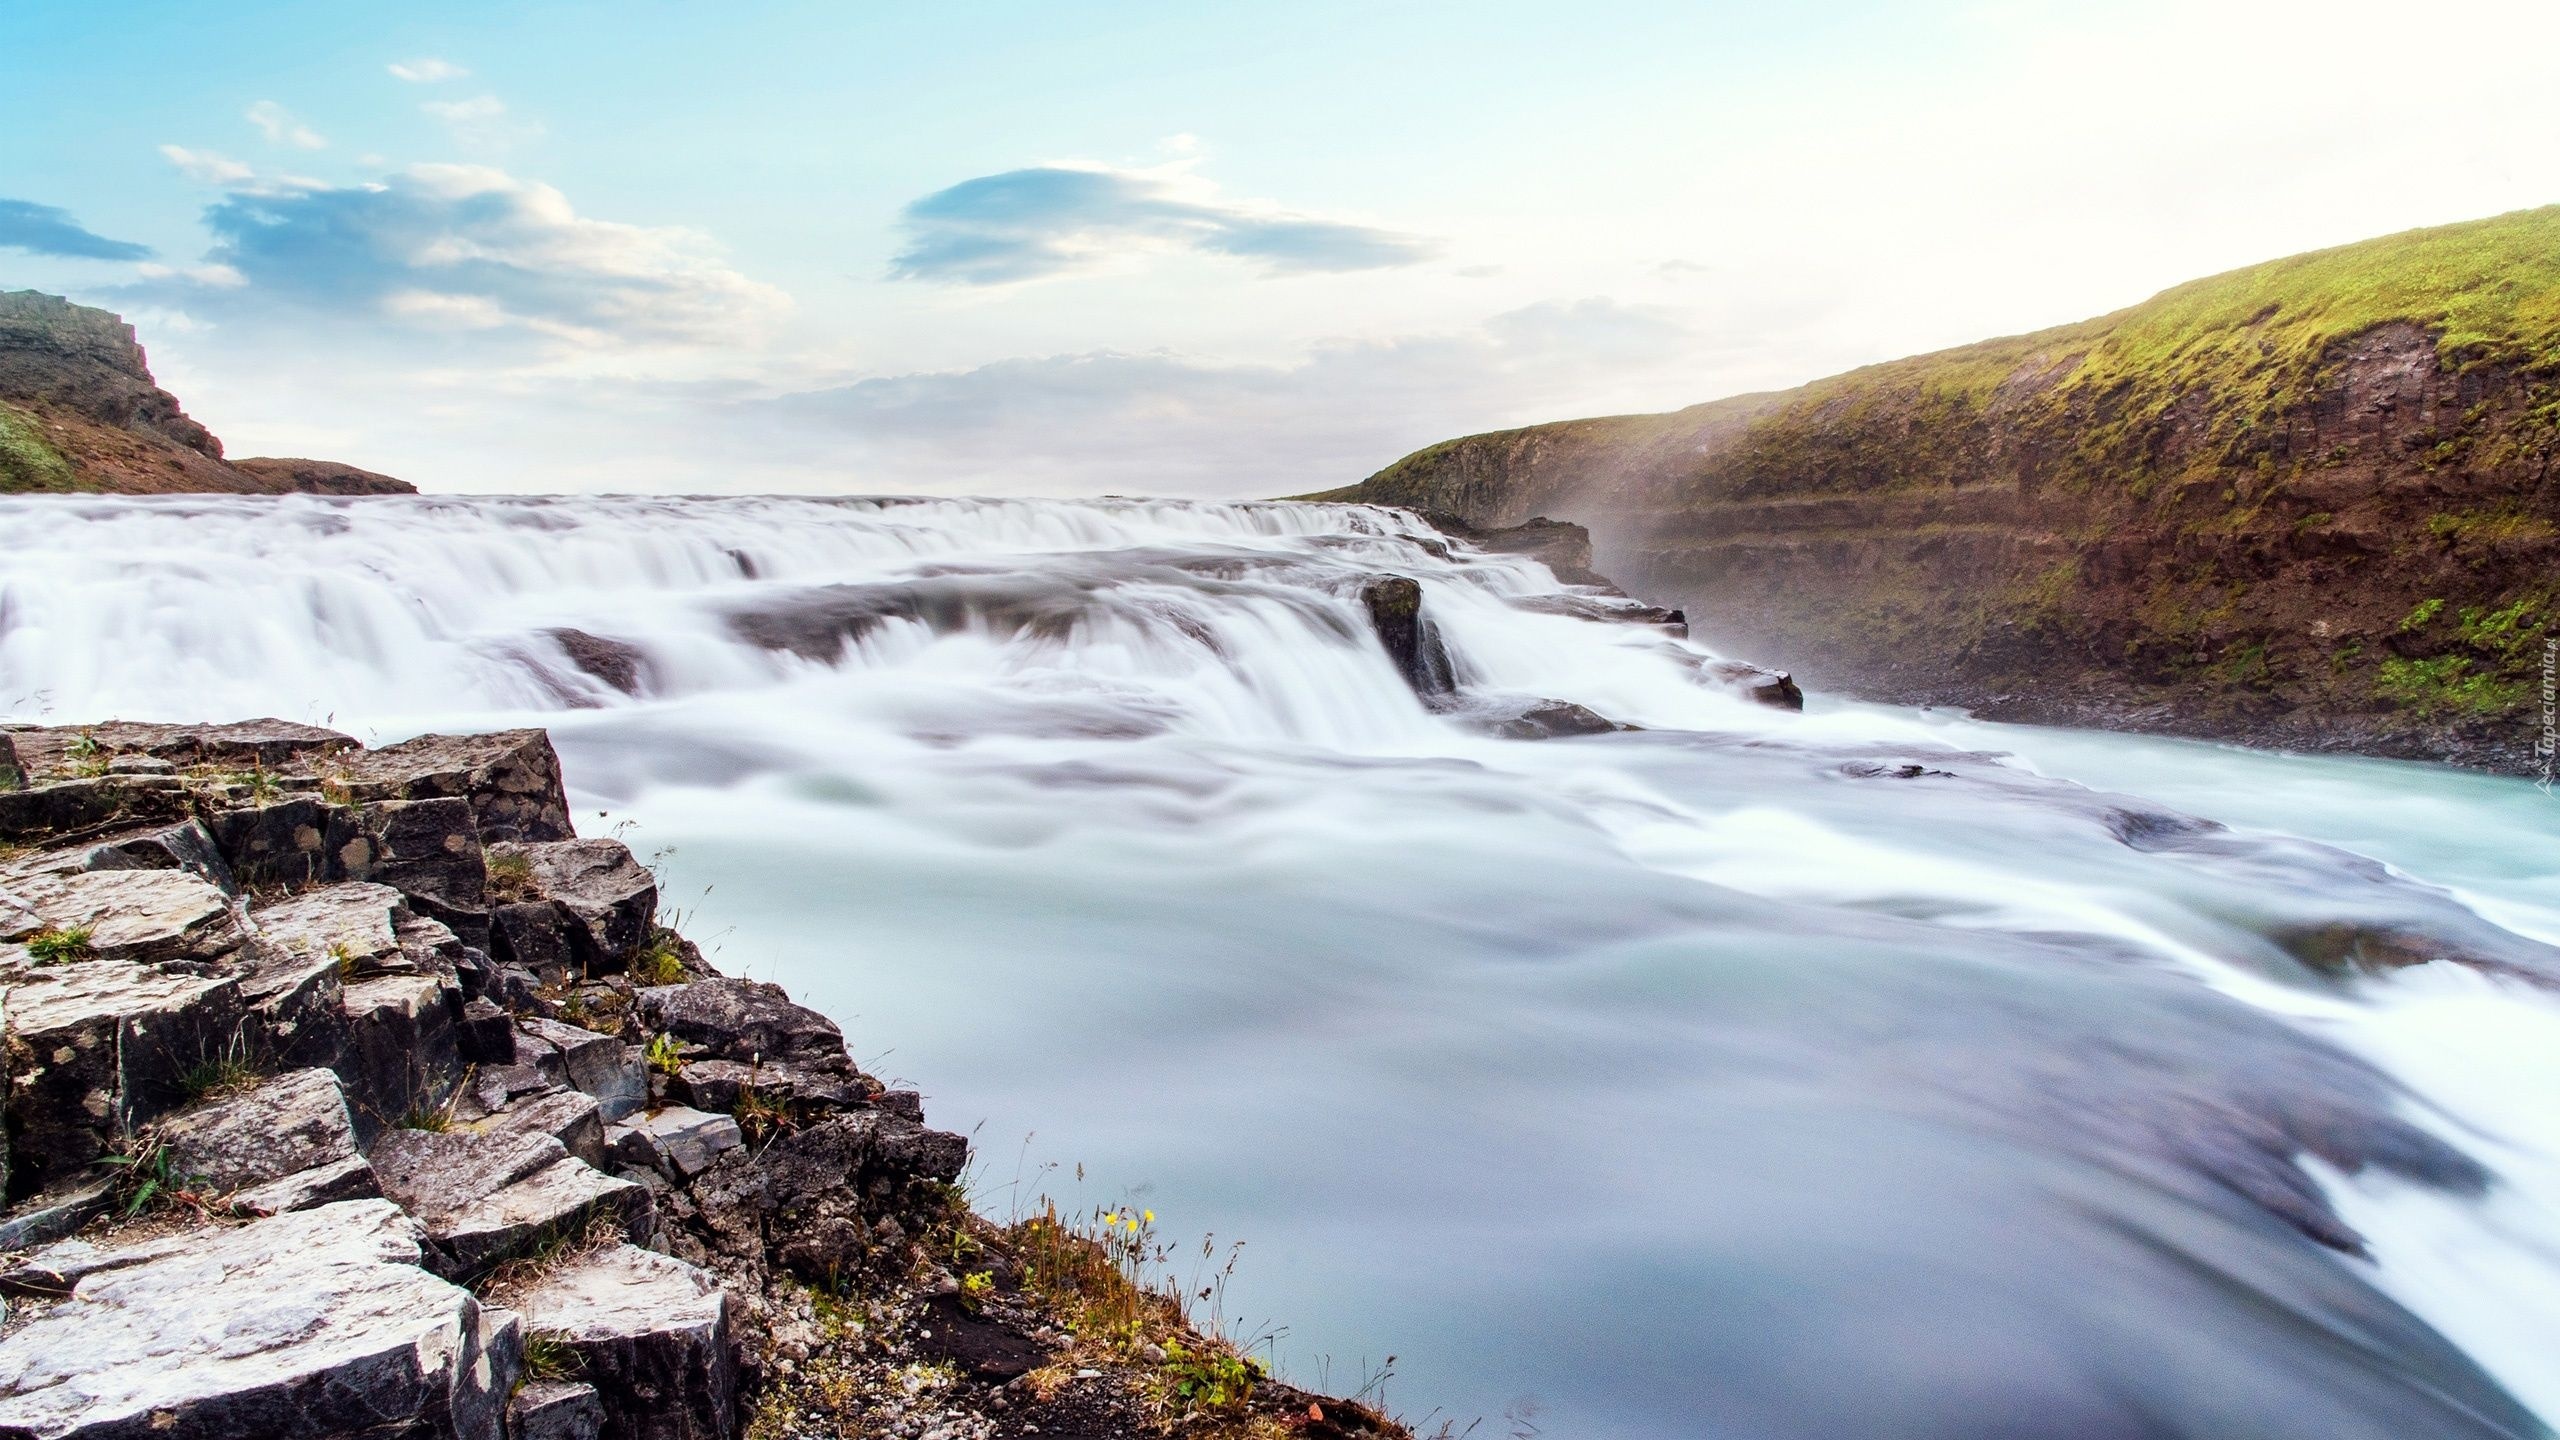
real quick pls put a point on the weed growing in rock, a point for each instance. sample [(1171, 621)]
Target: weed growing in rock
[(548, 1357), (227, 1071), (152, 1181), (759, 1116), (345, 959), (61, 946), (663, 1054), (435, 1119), (975, 1287), (659, 960), (510, 875)]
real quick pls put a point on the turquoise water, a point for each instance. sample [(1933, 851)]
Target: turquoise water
[(1718, 1078)]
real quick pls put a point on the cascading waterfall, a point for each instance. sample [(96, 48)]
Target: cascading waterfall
[(1744, 1074)]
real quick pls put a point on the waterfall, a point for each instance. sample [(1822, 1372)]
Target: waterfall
[(1737, 1072)]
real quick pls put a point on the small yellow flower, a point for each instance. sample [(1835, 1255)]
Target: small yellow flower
[(1151, 1217)]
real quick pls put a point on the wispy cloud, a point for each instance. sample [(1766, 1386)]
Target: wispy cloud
[(278, 125), (50, 230), (1049, 220), (1175, 423), (481, 121), (427, 70), (468, 249), (205, 167)]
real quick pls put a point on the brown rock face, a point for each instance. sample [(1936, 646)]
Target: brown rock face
[(80, 411)]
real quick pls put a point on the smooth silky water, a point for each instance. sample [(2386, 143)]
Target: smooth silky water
[(1718, 1079)]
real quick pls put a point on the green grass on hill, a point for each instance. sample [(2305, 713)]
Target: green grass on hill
[(26, 462)]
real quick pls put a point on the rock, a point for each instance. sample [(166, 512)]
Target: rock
[(1560, 545), (13, 775), (1552, 719), (1611, 609), (510, 779), (740, 1020), (535, 935), (140, 765), (97, 1049), (56, 1214), (281, 846), (304, 1326), (185, 845), (428, 850), (247, 744), (486, 1197), (567, 1116), (617, 663), (980, 1347), (596, 1064), (816, 1199), (55, 1268), (556, 1410), (402, 1054), (291, 1123), (67, 809), (486, 1034), (1773, 688), (144, 916), (676, 1141), (651, 1334), (349, 922), (719, 1085), (1394, 603), (307, 1189), (320, 477), (610, 895)]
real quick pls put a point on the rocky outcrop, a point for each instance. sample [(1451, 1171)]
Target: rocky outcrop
[(342, 1159), (2315, 503), (80, 411)]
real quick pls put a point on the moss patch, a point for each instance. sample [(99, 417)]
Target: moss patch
[(27, 463)]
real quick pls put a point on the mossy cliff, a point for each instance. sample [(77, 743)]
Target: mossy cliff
[(2311, 502), (79, 411)]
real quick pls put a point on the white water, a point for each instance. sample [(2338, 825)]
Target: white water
[(1699, 1081)]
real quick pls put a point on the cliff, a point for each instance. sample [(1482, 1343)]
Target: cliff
[(2308, 503), (80, 411), (350, 1092)]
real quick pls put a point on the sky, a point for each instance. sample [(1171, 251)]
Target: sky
[(1134, 247)]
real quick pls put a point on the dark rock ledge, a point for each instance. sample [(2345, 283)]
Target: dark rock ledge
[(349, 1093)]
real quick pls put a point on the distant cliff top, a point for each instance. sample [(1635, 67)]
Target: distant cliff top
[(79, 411), (2313, 503)]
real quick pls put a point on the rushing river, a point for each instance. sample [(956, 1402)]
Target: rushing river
[(1858, 1073)]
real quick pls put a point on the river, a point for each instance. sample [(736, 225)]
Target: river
[(1863, 1072)]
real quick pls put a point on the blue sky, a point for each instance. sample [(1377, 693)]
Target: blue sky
[(1233, 249)]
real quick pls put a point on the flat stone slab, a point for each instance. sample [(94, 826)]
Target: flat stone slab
[(743, 1020), (611, 897), (676, 1141), (614, 1073), (568, 1116), (299, 1327), (556, 1410), (294, 1122), (352, 922), (652, 1336), (487, 1197), (511, 778), (101, 1047), (142, 916)]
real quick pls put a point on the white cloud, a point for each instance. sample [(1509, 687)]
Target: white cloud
[(481, 122), (465, 249), (205, 167), (280, 128), (427, 70), (1050, 220)]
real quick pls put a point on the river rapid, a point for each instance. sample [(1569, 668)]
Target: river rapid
[(1858, 1073)]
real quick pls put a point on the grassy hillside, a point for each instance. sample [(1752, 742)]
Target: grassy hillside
[(2322, 483)]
